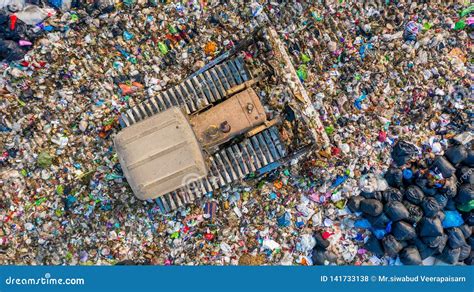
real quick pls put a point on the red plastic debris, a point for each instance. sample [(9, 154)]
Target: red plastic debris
[(13, 20), (326, 234), (209, 236), (335, 151), (382, 136)]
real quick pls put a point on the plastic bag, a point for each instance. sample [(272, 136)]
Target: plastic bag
[(450, 205), (391, 246), (392, 194), (372, 195), (452, 219), (12, 5), (456, 154), (410, 256), (450, 187), (415, 212), (396, 211), (380, 221), (443, 166), (320, 241), (438, 243), (354, 203), (469, 161), (32, 15), (403, 231), (424, 250), (61, 4), (466, 230), (465, 252), (440, 215), (414, 195), (371, 207), (370, 183), (422, 183), (442, 200), (455, 237), (430, 206), (10, 51), (450, 256), (394, 177), (319, 256), (403, 152), (469, 218), (465, 194), (465, 175), (373, 245), (306, 243), (362, 223), (430, 227)]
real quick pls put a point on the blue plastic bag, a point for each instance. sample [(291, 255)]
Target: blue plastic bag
[(362, 223), (379, 233), (284, 220), (452, 219)]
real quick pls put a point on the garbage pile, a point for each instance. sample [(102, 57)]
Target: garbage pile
[(423, 207), (22, 22), (376, 73)]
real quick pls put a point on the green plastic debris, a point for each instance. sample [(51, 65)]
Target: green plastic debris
[(172, 29), (286, 172), (175, 235), (24, 172), (467, 207), (460, 25), (60, 190), (109, 122), (302, 72), (162, 47), (69, 256), (340, 204), (305, 58), (427, 26), (112, 176), (40, 201), (329, 130), (44, 160), (466, 11)]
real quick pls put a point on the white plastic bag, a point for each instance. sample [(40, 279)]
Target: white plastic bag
[(12, 5), (32, 15)]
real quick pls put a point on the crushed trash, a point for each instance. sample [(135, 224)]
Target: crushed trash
[(391, 83)]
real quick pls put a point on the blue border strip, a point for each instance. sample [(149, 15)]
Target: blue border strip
[(274, 279)]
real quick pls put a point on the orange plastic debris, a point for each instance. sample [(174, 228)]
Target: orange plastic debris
[(278, 184), (210, 48)]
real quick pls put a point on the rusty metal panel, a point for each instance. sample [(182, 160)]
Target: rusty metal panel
[(232, 117)]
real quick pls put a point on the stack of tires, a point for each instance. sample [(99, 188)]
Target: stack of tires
[(428, 209)]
